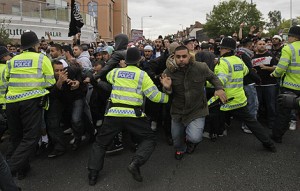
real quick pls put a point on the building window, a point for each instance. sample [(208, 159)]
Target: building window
[(110, 18), (93, 9)]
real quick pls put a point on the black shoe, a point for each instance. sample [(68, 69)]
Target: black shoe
[(76, 144), (271, 148), (190, 147), (41, 149), (276, 139), (170, 141), (179, 155), (21, 174), (114, 148), (93, 175), (135, 171), (55, 153)]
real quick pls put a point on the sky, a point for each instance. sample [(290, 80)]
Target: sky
[(169, 16)]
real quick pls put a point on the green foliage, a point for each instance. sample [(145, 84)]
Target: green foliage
[(275, 19), (226, 18), (4, 35)]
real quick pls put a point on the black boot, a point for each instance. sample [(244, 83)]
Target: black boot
[(134, 169), (190, 147), (93, 175), (76, 144)]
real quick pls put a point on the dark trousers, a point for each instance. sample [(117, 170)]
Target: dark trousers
[(267, 96), (6, 181), (257, 129), (139, 127), (283, 117), (53, 119), (24, 120)]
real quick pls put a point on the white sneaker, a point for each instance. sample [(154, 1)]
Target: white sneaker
[(68, 131), (206, 135), (99, 123), (246, 129), (83, 137), (153, 125), (293, 125)]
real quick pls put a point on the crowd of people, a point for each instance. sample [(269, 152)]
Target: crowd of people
[(102, 92)]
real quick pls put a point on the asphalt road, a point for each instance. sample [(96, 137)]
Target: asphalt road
[(234, 162)]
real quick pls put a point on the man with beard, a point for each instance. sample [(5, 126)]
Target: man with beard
[(264, 63)]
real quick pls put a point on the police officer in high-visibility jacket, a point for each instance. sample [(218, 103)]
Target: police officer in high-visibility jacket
[(28, 76), (231, 71), (129, 86), (288, 69), (4, 56)]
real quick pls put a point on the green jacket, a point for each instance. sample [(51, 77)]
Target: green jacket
[(188, 91)]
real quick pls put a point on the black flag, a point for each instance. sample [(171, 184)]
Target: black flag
[(76, 20)]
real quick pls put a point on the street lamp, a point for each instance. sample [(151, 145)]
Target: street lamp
[(142, 20)]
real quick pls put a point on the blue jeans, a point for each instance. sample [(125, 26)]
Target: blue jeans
[(192, 133), (252, 100), (77, 117)]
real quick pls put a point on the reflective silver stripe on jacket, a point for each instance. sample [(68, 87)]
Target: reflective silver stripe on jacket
[(237, 80), (153, 88), (120, 88), (282, 66), (121, 111), (284, 60), (26, 94), (2, 92), (3, 76), (126, 98), (234, 86), (293, 53), (114, 75), (28, 84), (162, 99)]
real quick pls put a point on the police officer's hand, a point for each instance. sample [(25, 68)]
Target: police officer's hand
[(288, 100), (222, 95), (166, 81)]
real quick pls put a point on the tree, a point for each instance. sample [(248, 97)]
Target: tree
[(4, 35), (226, 18), (274, 19)]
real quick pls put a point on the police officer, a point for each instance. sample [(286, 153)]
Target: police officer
[(28, 75), (6, 180), (231, 71), (129, 86), (4, 56), (288, 69)]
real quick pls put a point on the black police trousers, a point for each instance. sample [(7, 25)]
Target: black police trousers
[(257, 129), (283, 117), (6, 180), (139, 127), (24, 120)]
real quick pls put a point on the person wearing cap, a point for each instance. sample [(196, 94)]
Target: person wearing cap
[(231, 71), (28, 75), (277, 46), (106, 53), (129, 86), (188, 107), (288, 69), (189, 43), (158, 49)]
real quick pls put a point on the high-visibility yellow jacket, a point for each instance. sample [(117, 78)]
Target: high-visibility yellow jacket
[(129, 86), (2, 84), (288, 67), (28, 75), (231, 71)]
